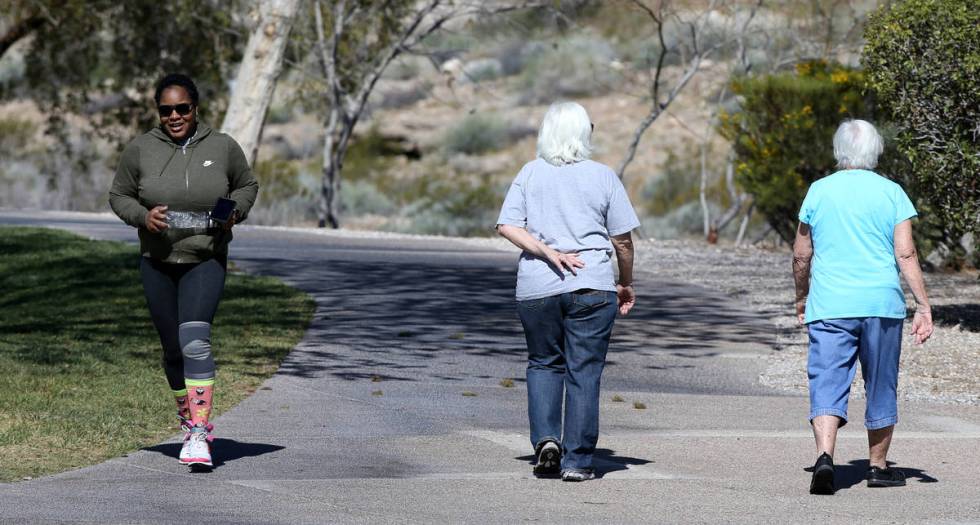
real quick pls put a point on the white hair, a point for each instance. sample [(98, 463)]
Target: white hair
[(857, 145), (565, 134)]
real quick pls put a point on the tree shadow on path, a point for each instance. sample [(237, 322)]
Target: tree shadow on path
[(405, 321), (967, 316)]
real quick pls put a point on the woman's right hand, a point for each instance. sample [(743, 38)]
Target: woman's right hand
[(626, 298), (922, 324), (565, 260), (156, 219)]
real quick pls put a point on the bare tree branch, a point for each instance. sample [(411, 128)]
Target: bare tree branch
[(696, 28), (745, 223), (19, 30), (348, 98), (655, 112), (360, 99), (712, 227)]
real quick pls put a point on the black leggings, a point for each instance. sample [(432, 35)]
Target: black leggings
[(183, 299)]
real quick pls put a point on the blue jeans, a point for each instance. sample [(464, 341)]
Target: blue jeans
[(567, 338), (835, 347)]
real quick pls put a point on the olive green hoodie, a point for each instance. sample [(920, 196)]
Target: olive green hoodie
[(156, 171)]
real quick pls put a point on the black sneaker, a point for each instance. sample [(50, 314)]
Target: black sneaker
[(549, 460), (885, 477), (823, 475)]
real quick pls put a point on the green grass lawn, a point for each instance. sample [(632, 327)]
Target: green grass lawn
[(80, 362)]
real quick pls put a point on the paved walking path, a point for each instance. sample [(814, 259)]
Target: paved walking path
[(429, 324)]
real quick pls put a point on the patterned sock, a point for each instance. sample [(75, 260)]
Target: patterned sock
[(183, 405), (199, 394)]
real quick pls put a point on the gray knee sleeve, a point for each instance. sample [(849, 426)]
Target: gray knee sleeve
[(195, 344)]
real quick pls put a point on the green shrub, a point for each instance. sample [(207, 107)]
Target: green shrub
[(405, 67), (923, 59), (367, 155), (477, 134), (401, 97), (575, 67), (482, 70), (680, 182), (783, 134), (279, 114), (443, 45), (279, 179), (287, 193), (363, 198), (515, 55), (16, 135), (686, 220), (448, 203)]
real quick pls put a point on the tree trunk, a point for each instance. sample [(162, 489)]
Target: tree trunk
[(703, 195), (256, 79), (721, 222), (19, 30), (330, 197), (744, 225), (328, 194), (635, 142), (765, 233), (327, 211)]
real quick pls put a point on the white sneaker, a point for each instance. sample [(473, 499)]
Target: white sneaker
[(198, 448), (185, 450), (577, 474)]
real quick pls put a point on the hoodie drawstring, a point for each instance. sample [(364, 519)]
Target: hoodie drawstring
[(183, 149)]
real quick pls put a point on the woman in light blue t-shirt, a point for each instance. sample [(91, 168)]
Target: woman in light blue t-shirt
[(854, 238), (568, 214)]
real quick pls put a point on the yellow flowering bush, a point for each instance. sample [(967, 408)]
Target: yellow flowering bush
[(783, 133)]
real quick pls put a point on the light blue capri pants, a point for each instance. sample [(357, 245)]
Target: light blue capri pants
[(835, 347)]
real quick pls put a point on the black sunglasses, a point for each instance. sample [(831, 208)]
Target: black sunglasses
[(182, 109)]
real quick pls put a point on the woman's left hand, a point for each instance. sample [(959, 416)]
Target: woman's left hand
[(231, 221), (563, 261)]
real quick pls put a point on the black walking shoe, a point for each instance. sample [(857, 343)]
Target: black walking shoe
[(885, 477), (823, 475), (549, 460)]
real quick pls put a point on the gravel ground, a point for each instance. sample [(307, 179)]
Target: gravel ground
[(944, 369)]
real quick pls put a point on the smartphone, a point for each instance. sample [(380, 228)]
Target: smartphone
[(223, 208)]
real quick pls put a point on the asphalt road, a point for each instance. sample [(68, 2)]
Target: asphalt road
[(434, 320)]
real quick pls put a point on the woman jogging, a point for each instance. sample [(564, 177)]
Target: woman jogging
[(167, 185)]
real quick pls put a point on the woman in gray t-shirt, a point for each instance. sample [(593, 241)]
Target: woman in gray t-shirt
[(568, 214)]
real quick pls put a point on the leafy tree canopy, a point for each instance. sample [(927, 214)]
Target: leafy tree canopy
[(923, 59), (101, 58)]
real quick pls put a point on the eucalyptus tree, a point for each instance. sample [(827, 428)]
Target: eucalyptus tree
[(258, 72)]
